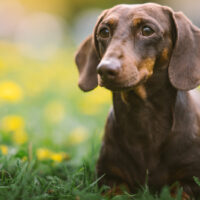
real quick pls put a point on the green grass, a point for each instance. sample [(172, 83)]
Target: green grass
[(41, 180), (53, 114), (34, 181)]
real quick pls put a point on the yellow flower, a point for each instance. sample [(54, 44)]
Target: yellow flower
[(10, 91), (56, 157), (91, 102), (59, 157), (4, 149), (45, 154), (16, 125), (77, 136), (54, 111), (12, 123), (19, 136)]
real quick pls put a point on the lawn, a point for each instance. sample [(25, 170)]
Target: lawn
[(50, 131)]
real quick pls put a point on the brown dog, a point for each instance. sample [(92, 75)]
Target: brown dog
[(149, 57)]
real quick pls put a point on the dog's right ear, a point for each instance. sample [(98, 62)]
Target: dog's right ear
[(87, 59)]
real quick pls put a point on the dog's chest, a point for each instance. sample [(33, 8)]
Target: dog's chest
[(141, 136)]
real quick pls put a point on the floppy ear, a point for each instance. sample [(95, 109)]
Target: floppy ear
[(184, 66), (87, 59)]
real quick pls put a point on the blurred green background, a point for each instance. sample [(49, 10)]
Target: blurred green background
[(41, 107)]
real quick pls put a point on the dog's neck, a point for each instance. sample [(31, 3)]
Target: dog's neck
[(141, 114)]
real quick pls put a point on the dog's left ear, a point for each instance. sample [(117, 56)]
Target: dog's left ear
[(184, 66)]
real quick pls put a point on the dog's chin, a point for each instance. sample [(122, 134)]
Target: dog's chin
[(119, 87)]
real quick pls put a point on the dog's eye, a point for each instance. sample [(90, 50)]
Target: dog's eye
[(147, 31), (104, 33)]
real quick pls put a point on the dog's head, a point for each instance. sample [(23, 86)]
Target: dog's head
[(130, 42)]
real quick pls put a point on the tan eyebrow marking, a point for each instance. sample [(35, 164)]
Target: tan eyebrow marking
[(136, 21), (111, 20)]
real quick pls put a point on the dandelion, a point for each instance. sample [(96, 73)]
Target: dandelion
[(56, 157), (10, 91), (77, 136), (16, 125), (59, 157), (45, 154), (12, 123), (54, 111), (4, 149), (19, 137)]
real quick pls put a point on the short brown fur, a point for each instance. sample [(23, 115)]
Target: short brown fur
[(154, 125)]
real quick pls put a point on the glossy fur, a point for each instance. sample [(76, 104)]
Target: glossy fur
[(153, 129)]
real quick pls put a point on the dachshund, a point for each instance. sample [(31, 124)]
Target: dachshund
[(148, 56)]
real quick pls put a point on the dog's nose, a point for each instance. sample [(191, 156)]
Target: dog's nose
[(109, 68)]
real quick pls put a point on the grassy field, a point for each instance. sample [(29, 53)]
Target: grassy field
[(50, 131)]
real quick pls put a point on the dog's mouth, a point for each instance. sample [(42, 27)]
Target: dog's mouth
[(119, 85)]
